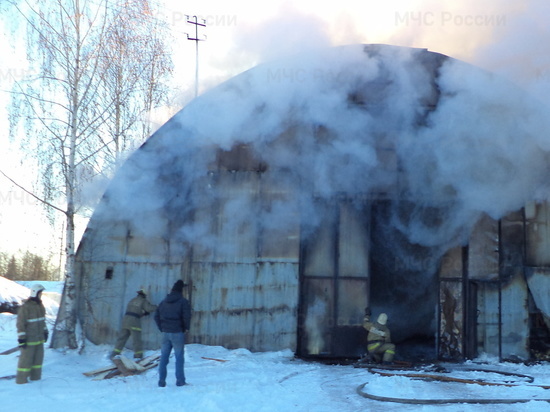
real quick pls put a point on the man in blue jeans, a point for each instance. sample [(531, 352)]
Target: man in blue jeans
[(173, 317)]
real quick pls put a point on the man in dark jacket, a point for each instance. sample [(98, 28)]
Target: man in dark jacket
[(31, 335), (173, 318), (131, 324)]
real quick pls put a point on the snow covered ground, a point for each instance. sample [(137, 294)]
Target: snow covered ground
[(272, 381)]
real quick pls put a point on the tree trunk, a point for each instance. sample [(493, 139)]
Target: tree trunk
[(64, 335), (65, 325)]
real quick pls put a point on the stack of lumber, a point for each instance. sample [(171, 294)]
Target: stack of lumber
[(123, 366)]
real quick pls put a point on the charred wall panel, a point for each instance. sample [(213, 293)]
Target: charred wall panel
[(353, 241), (515, 318), (483, 250), (515, 313), (318, 321), (320, 258), (483, 270), (451, 321), (335, 281), (239, 158), (317, 297), (488, 321), (538, 280), (537, 234)]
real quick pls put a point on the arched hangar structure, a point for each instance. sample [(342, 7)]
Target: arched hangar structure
[(296, 194)]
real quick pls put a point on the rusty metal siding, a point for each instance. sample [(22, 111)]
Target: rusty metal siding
[(483, 250), (488, 319), (104, 242), (121, 242), (245, 289), (515, 318), (276, 323), (245, 305), (515, 312), (451, 309), (244, 276), (538, 280), (102, 301), (484, 270), (106, 299), (537, 234), (145, 248), (490, 298)]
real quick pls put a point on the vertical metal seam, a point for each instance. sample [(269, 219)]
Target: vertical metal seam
[(500, 269), (465, 300), (336, 262)]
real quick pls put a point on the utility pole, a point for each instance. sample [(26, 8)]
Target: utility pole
[(196, 40)]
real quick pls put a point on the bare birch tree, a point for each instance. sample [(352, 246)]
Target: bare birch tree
[(69, 105), (135, 61)]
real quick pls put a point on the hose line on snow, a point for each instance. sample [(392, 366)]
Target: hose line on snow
[(439, 401), (361, 392)]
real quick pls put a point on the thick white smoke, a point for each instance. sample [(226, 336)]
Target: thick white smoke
[(460, 142)]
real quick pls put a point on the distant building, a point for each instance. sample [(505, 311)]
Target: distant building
[(296, 194)]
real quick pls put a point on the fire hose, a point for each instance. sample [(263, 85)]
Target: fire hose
[(427, 376)]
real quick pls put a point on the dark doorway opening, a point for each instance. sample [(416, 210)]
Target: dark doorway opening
[(403, 284)]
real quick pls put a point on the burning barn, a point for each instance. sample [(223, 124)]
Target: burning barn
[(296, 194)]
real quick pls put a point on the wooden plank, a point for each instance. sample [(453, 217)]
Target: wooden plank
[(149, 359), (216, 359), (100, 370), (122, 367), (112, 374), (129, 364), (104, 374), (151, 366)]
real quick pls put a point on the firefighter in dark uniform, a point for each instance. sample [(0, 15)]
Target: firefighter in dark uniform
[(131, 324), (32, 332), (379, 346)]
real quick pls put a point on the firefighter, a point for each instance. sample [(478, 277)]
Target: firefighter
[(32, 332), (379, 346), (131, 324)]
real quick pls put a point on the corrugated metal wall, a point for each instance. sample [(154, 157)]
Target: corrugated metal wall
[(254, 282), (244, 285), (484, 295), (537, 217)]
